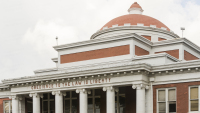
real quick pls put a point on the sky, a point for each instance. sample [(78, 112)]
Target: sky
[(28, 28)]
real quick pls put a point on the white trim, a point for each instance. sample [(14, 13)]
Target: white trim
[(103, 40)]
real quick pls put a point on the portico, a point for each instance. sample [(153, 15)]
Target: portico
[(115, 100)]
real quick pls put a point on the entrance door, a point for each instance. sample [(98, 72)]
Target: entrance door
[(48, 103)]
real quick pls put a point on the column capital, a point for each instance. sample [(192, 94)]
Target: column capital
[(111, 88), (82, 91), (140, 86), (59, 93), (36, 95), (15, 97)]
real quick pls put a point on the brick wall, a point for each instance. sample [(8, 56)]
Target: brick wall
[(189, 56), (174, 53), (161, 39), (95, 54), (139, 51), (147, 37), (1, 104), (182, 95)]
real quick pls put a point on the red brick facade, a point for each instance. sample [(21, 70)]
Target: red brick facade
[(147, 37), (174, 53), (1, 104), (139, 51), (189, 56), (182, 95), (95, 54), (161, 39)]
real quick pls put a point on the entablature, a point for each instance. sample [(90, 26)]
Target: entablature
[(123, 69)]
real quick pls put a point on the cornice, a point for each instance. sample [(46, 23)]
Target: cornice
[(177, 65), (133, 27), (132, 69), (45, 70), (55, 60), (103, 40), (175, 41), (4, 87), (77, 75), (155, 56)]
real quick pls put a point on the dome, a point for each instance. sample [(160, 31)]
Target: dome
[(135, 17)]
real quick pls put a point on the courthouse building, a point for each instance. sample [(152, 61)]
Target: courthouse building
[(133, 64)]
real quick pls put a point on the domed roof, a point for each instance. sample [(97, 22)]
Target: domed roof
[(134, 18)]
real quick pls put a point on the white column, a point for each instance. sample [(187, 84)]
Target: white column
[(58, 101), (110, 99), (140, 98), (83, 100), (15, 104), (36, 102)]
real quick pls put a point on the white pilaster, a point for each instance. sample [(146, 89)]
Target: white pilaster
[(110, 99), (15, 104), (83, 100), (36, 102), (140, 97), (58, 101)]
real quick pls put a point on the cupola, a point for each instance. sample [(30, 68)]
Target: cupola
[(135, 9)]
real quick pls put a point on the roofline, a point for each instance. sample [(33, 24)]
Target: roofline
[(154, 56), (132, 67), (177, 40), (102, 40)]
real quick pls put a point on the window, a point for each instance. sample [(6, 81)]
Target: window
[(48, 102), (194, 98), (7, 106), (120, 100), (29, 106), (166, 100), (71, 102), (95, 98)]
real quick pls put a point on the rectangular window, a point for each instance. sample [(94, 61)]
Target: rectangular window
[(166, 100), (120, 100), (71, 102), (194, 98), (48, 103), (94, 101), (7, 106)]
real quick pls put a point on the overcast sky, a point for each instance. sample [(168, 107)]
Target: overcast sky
[(28, 27)]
